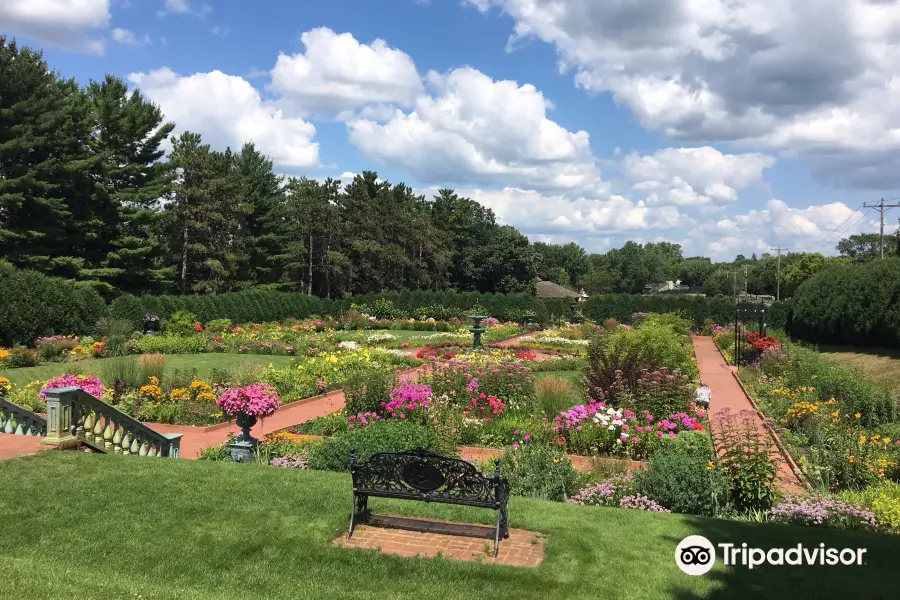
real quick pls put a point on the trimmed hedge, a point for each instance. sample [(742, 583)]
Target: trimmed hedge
[(33, 305), (856, 305), (693, 308)]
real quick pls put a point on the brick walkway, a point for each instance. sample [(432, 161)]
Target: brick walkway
[(522, 548), (12, 446), (727, 393)]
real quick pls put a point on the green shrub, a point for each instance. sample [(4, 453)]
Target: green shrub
[(125, 369), (382, 436), (539, 471), (20, 356), (365, 390), (883, 499), (180, 323), (855, 305), (34, 305), (620, 358), (687, 443), (219, 325), (683, 482)]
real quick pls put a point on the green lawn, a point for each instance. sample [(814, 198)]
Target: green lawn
[(103, 527), (204, 363), (573, 377), (880, 364)]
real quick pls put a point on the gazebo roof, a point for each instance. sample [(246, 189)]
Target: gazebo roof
[(548, 289)]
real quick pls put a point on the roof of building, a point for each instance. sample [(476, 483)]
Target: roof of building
[(548, 289)]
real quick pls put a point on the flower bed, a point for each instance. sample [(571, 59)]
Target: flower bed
[(841, 429)]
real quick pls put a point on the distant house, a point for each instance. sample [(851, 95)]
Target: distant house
[(548, 290), (669, 286)]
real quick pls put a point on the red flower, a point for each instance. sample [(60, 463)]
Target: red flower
[(198, 327)]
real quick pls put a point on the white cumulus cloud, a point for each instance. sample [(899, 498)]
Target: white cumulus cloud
[(693, 176), (337, 73), (71, 24), (816, 79), (472, 129), (227, 111)]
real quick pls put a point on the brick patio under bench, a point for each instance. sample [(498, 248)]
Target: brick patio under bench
[(522, 548)]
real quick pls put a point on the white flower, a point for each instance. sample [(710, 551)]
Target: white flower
[(349, 345)]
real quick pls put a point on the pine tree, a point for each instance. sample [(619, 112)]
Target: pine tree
[(131, 180), (204, 216), (260, 190), (43, 165)]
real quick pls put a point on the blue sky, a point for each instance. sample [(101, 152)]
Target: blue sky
[(720, 125)]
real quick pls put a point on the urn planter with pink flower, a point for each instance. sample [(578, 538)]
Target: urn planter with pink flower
[(247, 404)]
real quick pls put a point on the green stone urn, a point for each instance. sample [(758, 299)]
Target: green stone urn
[(244, 445)]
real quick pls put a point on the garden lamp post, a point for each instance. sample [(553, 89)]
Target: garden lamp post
[(477, 330)]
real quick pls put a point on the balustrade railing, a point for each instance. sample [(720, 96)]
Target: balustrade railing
[(17, 420), (75, 416)]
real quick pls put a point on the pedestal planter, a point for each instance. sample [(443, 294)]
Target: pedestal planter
[(477, 330), (244, 445)]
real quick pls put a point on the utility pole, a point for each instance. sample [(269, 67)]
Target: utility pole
[(881, 206), (778, 249)]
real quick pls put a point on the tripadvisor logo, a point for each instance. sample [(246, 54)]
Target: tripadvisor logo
[(696, 555)]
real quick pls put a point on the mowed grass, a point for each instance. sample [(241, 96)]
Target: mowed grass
[(104, 527), (880, 364), (204, 363)]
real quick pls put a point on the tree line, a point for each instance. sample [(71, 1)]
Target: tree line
[(89, 193)]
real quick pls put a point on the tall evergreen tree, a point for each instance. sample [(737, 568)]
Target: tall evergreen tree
[(43, 165), (130, 181), (203, 216), (260, 191)]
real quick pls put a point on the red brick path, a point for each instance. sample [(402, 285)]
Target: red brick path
[(12, 446), (727, 393), (522, 548)]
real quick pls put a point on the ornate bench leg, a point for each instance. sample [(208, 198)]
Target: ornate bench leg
[(497, 532), (352, 516), (359, 507)]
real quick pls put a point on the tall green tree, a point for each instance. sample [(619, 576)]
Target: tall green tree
[(203, 216), (467, 228), (130, 180), (260, 191), (44, 165)]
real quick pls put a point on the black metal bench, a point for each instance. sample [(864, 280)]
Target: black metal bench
[(422, 475)]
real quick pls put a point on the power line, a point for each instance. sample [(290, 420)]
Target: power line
[(824, 239), (881, 206)]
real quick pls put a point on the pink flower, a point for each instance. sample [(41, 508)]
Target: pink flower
[(89, 383)]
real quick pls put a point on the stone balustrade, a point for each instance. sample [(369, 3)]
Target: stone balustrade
[(74, 416), (18, 420)]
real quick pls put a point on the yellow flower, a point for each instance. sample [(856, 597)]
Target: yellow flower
[(857, 415), (556, 460), (5, 385), (4, 353), (709, 465), (851, 458)]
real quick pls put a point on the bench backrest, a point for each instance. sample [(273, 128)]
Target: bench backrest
[(420, 474)]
